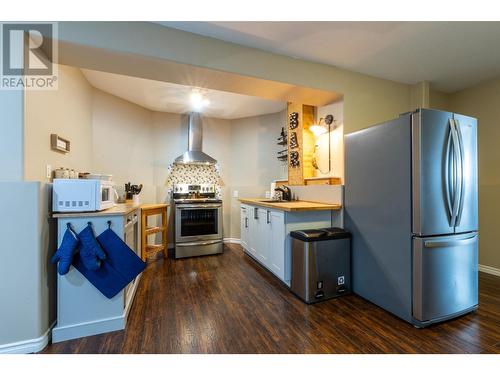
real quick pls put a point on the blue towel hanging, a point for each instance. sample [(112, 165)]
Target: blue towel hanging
[(65, 252), (106, 279), (91, 252), (117, 270), (120, 256)]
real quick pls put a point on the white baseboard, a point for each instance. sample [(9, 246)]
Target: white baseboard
[(231, 240), (490, 270), (84, 329), (27, 346)]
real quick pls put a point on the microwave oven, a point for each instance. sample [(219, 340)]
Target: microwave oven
[(81, 195)]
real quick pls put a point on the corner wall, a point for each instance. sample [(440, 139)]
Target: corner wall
[(254, 165)]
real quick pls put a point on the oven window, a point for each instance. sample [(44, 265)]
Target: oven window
[(199, 222), (105, 192)]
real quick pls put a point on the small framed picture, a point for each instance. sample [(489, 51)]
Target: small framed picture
[(59, 144)]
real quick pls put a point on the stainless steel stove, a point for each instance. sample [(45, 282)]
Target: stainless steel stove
[(198, 220)]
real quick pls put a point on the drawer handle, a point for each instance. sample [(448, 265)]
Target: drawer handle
[(465, 241)]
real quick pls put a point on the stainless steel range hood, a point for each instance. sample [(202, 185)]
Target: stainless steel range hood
[(194, 154)]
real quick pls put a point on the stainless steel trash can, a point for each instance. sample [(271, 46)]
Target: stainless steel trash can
[(321, 263)]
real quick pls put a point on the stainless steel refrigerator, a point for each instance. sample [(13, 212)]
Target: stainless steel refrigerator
[(411, 206)]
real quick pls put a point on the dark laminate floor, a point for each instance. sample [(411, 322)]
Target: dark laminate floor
[(228, 304)]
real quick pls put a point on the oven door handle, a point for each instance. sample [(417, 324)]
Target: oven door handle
[(198, 206), (197, 243)]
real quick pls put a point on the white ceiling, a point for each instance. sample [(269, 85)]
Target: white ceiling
[(169, 97), (451, 55)]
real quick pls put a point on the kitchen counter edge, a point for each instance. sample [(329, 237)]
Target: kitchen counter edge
[(292, 205), (121, 209)]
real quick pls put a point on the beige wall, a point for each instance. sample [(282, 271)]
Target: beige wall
[(67, 112), (121, 143), (483, 102), (439, 100)]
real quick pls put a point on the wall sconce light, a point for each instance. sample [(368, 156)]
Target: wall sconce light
[(319, 129)]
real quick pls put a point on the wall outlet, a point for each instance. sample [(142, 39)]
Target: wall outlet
[(48, 171), (268, 194), (235, 194)]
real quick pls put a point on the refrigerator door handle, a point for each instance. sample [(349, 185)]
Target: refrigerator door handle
[(462, 169), (463, 242), (447, 172), (456, 194)]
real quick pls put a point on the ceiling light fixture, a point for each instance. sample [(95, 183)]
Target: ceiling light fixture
[(198, 101)]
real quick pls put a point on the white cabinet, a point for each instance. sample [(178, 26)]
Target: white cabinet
[(277, 243), (265, 235), (244, 226), (253, 234)]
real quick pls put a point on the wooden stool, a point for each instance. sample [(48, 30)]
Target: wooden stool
[(151, 210)]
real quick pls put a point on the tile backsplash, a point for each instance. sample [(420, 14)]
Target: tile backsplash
[(194, 174)]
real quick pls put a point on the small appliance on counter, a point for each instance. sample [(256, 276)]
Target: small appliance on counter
[(198, 220), (81, 195), (321, 263)]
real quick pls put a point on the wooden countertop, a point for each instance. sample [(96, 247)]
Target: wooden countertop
[(120, 209), (293, 205)]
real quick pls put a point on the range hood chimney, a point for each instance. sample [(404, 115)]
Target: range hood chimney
[(194, 154)]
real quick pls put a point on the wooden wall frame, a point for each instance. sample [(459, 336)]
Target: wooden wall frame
[(305, 140)]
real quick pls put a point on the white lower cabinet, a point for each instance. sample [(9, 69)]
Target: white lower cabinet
[(264, 231), (244, 226), (253, 226), (277, 243), (265, 235)]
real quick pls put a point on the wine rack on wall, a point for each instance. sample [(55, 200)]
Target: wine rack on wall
[(300, 142)]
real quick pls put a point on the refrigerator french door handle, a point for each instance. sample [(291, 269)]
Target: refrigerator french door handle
[(462, 169), (462, 242), (447, 172), (456, 194)]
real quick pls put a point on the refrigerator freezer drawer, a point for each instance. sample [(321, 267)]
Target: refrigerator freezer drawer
[(444, 276)]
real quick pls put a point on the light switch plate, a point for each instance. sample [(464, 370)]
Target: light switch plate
[(48, 172), (268, 194), (235, 194)]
